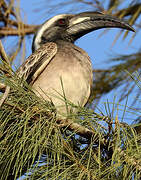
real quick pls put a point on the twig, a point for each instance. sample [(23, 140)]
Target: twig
[(21, 24), (81, 130), (2, 87), (6, 31), (5, 95), (5, 58), (77, 128), (3, 54)]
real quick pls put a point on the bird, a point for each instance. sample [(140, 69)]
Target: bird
[(58, 70)]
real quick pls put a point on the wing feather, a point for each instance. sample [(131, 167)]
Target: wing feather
[(36, 63)]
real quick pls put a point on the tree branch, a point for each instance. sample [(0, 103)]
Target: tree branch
[(6, 31), (75, 127), (5, 58), (3, 54), (2, 87)]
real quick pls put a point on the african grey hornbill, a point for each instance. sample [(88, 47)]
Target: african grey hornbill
[(58, 69)]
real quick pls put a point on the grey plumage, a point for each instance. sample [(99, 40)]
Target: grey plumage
[(58, 69)]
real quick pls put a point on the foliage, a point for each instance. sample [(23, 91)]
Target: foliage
[(32, 143)]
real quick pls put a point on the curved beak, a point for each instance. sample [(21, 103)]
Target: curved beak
[(86, 22)]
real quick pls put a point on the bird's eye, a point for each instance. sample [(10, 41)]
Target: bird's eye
[(62, 22)]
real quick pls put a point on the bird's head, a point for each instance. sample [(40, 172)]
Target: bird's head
[(69, 27)]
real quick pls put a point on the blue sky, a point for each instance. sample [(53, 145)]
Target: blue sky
[(98, 47)]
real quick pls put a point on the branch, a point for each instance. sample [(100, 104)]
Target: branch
[(3, 54), (131, 10), (2, 87), (5, 95), (5, 58), (6, 31), (20, 24), (75, 127), (7, 9)]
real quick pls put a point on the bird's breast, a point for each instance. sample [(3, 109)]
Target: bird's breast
[(67, 76)]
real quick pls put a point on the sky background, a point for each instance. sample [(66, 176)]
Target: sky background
[(98, 47)]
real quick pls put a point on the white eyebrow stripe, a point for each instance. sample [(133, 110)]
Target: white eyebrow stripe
[(45, 26)]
